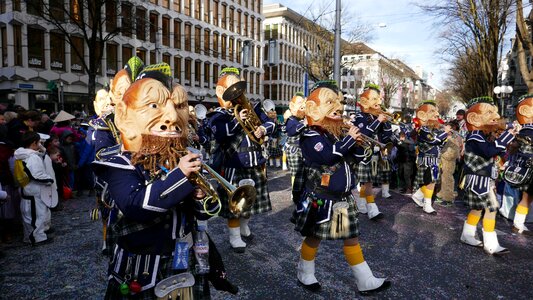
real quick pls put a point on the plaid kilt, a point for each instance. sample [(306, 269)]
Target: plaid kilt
[(322, 230), (383, 175), (295, 162), (258, 175), (419, 178), (528, 150), (477, 202), (364, 173), (274, 150)]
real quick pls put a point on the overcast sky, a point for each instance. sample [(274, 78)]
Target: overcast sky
[(409, 34)]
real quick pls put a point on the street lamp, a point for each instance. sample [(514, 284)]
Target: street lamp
[(501, 93)]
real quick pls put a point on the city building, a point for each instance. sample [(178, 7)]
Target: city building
[(402, 88), (292, 48), (197, 38)]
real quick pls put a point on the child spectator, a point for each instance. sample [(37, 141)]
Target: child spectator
[(34, 211)]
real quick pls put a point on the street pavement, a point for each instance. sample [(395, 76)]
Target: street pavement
[(421, 254)]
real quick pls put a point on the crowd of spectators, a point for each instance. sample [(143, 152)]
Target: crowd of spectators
[(62, 139)]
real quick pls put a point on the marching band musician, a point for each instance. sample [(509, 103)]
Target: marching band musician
[(524, 116), (429, 141), (149, 184), (327, 210), (242, 157), (372, 123), (294, 127), (482, 120)]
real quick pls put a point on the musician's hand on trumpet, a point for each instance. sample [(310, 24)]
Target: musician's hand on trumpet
[(190, 163), (515, 128), (383, 118), (354, 132), (243, 114), (260, 132)]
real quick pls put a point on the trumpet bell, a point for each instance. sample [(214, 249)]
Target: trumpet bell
[(242, 199), (234, 91)]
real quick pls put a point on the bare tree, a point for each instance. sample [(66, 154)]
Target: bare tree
[(390, 80), (85, 19), (524, 44), (473, 33), (320, 58), (444, 101)]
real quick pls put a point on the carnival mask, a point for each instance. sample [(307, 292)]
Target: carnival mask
[(120, 83), (149, 108), (370, 100), (524, 111), (102, 103), (297, 106), (428, 115), (324, 108), (483, 116), (223, 83)]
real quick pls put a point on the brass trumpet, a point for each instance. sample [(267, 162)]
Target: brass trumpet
[(235, 94), (240, 198)]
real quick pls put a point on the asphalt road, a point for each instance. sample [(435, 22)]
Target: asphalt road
[(419, 253)]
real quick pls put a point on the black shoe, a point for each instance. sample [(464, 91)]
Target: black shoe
[(248, 238), (238, 249), (314, 287), (50, 231), (47, 241), (383, 287)]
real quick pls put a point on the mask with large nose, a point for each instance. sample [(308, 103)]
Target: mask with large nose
[(324, 107)]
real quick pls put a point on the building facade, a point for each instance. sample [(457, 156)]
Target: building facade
[(197, 38), (289, 49)]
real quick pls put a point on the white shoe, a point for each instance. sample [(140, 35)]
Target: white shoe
[(469, 236), (245, 229), (418, 198), (491, 244), (385, 191), (365, 280), (373, 211), (306, 274), (428, 209), (360, 202), (235, 240), (518, 224)]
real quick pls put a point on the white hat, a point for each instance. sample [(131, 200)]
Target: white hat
[(43, 136), (63, 116)]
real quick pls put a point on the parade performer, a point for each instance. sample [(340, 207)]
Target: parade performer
[(150, 183), (430, 140), (480, 172), (104, 137), (524, 116), (240, 156), (274, 150), (372, 123), (327, 209), (294, 127)]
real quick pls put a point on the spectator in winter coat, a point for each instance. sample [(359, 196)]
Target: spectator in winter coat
[(84, 174)]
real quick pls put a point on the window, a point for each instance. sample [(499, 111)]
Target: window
[(176, 5), (250, 80), (36, 47), (207, 34), (257, 57), (207, 74), (141, 53), (223, 16), (197, 72), (57, 57), (197, 9), (166, 59), (16, 5), (177, 34), (188, 65), (274, 33), (257, 34), (177, 68), (187, 7), (252, 26), (258, 83), (197, 39), (3, 40), (188, 37), (153, 27), (77, 54), (239, 51), (153, 1), (166, 31), (274, 92), (111, 59), (232, 19), (223, 46), (246, 3), (165, 3), (215, 13), (267, 71), (2, 7), (214, 78), (207, 9), (245, 25), (152, 57), (215, 44), (111, 16), (140, 29), (57, 9), (127, 53), (126, 19), (76, 11), (34, 7), (231, 49), (239, 25)]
